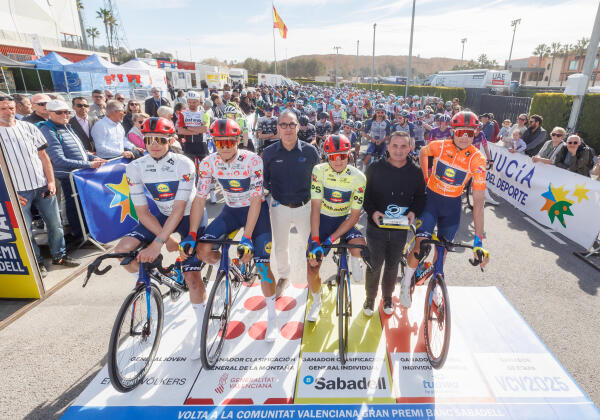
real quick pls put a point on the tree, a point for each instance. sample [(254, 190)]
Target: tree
[(93, 33), (555, 51), (541, 51), (105, 15)]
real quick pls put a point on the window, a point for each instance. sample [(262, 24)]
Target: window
[(573, 65)]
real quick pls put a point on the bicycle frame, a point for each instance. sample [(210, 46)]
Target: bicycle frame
[(343, 265)]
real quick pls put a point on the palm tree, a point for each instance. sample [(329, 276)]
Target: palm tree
[(105, 15), (541, 51), (93, 33), (579, 49), (112, 24), (556, 49)]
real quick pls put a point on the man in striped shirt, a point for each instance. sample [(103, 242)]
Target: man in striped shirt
[(31, 172)]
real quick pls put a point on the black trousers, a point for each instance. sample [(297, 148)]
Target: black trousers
[(385, 245)]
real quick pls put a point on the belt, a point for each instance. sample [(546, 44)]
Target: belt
[(295, 205)]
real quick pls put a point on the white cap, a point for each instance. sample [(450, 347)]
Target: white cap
[(244, 93), (57, 105), (190, 94)]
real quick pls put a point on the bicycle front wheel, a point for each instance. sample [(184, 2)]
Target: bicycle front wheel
[(344, 312), (437, 322), (214, 325), (135, 338)]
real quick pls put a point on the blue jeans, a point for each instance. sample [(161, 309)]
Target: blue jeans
[(48, 208)]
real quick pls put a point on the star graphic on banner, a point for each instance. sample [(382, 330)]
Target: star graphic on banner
[(580, 192), (122, 199), (560, 194)]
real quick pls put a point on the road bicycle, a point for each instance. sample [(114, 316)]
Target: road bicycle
[(343, 307), (230, 276), (437, 304), (137, 330)]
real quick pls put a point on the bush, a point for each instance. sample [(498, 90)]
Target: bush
[(555, 108), (399, 90)]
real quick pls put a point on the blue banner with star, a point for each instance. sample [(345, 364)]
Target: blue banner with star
[(105, 200)]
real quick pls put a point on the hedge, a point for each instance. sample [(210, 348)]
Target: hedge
[(555, 108)]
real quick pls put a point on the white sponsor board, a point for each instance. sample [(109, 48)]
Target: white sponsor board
[(562, 200), (251, 370)]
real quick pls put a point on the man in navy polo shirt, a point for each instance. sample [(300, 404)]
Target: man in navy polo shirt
[(290, 195)]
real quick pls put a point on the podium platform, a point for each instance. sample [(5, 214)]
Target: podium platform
[(497, 366)]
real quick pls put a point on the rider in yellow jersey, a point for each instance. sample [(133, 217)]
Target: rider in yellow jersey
[(337, 194)]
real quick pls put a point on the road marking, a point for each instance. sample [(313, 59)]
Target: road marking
[(546, 231)]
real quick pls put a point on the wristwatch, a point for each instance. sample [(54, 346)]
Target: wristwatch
[(159, 240)]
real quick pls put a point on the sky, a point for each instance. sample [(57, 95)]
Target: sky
[(237, 29)]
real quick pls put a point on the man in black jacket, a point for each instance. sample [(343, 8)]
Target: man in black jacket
[(82, 123), (535, 135), (152, 104), (395, 187)]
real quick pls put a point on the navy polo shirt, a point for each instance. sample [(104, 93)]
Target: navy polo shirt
[(287, 174)]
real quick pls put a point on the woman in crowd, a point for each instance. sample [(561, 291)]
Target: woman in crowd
[(135, 135), (133, 107)]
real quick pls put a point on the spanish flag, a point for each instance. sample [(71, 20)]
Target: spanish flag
[(278, 24)]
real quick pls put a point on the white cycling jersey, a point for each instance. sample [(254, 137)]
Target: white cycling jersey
[(167, 180), (241, 179)]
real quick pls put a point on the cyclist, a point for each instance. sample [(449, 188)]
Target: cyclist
[(377, 131), (337, 115), (307, 130), (337, 193), (403, 124), (323, 127), (456, 160), (442, 131), (191, 125), (170, 180), (351, 135), (233, 112), (267, 128), (240, 173)]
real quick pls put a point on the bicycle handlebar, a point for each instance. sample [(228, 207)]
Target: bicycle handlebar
[(94, 267), (449, 246)]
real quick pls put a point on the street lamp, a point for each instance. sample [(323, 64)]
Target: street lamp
[(514, 24), (373, 58), (336, 64), (412, 27), (462, 54)]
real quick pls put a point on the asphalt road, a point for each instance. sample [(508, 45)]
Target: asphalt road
[(50, 354)]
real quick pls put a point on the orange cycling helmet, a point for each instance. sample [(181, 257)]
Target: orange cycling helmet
[(465, 119), (336, 144), (158, 125), (225, 127)]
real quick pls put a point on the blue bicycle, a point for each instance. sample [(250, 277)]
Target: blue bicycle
[(138, 327), (229, 278)]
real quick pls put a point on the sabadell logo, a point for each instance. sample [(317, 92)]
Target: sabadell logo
[(345, 384)]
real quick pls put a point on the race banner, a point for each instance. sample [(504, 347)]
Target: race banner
[(105, 200), (564, 201), (16, 275)]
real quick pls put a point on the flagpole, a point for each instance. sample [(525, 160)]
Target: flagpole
[(273, 29)]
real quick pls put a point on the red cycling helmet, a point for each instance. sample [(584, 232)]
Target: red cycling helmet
[(158, 125), (465, 119), (336, 144), (225, 127)]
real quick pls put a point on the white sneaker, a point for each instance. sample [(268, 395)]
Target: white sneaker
[(405, 298), (213, 197), (438, 297), (357, 270), (313, 312), (270, 335)]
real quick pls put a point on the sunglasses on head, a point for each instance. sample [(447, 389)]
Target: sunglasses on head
[(148, 140), (464, 132), (337, 156), (226, 143)]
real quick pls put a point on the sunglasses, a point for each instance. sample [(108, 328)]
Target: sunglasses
[(226, 143), (41, 103), (523, 119), (287, 125), (337, 156), (62, 112), (572, 142), (148, 140), (556, 135), (464, 132), (82, 106), (6, 98)]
